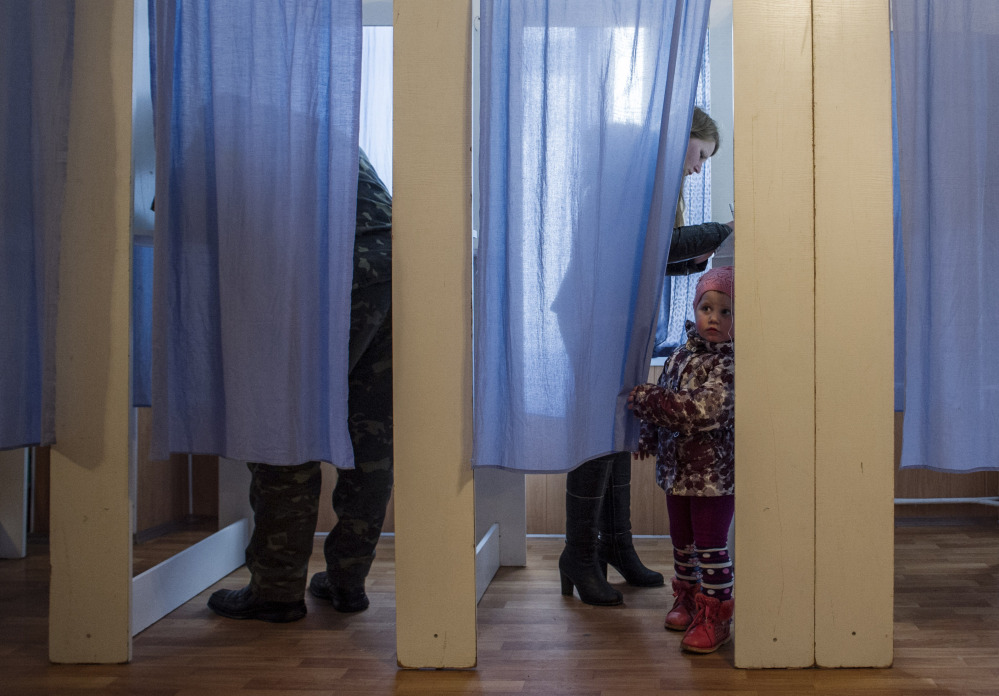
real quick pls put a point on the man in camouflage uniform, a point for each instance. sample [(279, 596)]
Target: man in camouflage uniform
[(285, 499)]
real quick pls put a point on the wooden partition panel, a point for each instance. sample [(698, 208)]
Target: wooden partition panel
[(431, 327), (814, 283), (91, 544), (161, 500), (854, 380), (775, 374)]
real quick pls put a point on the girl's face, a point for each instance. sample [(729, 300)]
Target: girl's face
[(715, 317), (698, 152)]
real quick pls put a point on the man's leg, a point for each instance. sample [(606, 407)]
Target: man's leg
[(285, 502), (362, 494)]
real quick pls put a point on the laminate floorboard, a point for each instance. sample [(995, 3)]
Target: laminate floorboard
[(531, 640)]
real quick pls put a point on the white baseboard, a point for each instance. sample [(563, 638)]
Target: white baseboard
[(487, 560), (164, 587)]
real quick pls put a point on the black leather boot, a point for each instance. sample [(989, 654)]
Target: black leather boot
[(584, 490), (614, 545)]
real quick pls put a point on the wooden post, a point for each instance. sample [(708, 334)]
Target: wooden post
[(431, 271), (854, 379), (90, 538), (814, 432), (775, 363)]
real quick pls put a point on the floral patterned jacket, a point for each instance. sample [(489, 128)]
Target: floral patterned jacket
[(688, 419)]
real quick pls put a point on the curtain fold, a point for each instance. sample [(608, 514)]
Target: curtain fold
[(36, 58), (585, 117), (676, 305), (946, 58), (256, 129)]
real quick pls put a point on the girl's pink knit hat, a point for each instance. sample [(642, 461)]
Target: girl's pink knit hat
[(721, 278)]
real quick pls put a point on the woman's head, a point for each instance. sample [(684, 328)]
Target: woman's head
[(704, 140), (714, 304), (703, 143), (704, 127)]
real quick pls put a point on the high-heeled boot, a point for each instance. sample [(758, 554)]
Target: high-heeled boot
[(584, 491), (614, 544)]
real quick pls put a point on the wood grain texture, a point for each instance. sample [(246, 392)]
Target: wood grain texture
[(90, 497), (775, 374), (854, 381), (532, 641), (431, 331)]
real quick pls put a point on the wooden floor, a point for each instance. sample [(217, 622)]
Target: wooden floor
[(531, 640)]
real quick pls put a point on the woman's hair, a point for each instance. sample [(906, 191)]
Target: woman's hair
[(702, 127)]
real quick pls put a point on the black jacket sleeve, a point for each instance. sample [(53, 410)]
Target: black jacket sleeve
[(692, 241)]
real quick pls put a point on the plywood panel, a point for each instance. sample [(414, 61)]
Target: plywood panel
[(205, 485), (775, 445), (431, 306), (555, 503), (537, 504), (13, 503), (854, 355), (41, 485), (644, 493), (161, 486)]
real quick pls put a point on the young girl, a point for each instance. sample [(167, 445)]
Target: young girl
[(688, 421)]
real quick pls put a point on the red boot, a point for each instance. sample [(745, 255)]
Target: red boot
[(682, 613), (711, 627)]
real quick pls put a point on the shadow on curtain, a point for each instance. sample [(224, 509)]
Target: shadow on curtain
[(585, 117), (256, 128), (36, 59)]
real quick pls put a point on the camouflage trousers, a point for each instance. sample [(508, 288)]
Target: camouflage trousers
[(285, 499)]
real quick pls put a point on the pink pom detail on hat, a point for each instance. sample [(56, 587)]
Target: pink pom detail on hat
[(721, 279)]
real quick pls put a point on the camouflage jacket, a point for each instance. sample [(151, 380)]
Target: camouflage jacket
[(688, 418), (373, 232)]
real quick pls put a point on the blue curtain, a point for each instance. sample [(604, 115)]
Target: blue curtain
[(677, 303), (585, 117), (36, 57), (946, 62), (256, 128)]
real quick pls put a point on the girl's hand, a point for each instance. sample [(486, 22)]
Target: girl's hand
[(635, 394)]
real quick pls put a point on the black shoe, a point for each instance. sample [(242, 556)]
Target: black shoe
[(243, 604), (343, 599)]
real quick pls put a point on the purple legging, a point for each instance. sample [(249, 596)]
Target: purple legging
[(702, 522)]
